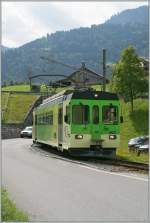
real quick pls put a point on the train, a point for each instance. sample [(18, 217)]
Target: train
[(80, 122)]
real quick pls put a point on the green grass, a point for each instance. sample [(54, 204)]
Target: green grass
[(44, 89), (16, 88), (18, 106), (9, 211), (4, 100), (135, 124), (100, 87)]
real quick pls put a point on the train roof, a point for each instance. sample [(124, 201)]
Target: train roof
[(95, 95), (89, 94)]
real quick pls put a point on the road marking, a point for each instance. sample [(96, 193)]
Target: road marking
[(112, 173)]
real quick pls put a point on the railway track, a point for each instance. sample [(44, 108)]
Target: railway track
[(96, 162), (124, 163)]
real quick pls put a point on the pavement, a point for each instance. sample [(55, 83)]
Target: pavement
[(50, 189)]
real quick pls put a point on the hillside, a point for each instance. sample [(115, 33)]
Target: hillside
[(78, 45), (16, 106), (138, 15), (134, 125)]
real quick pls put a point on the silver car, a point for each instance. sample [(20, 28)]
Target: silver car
[(27, 132), (135, 143)]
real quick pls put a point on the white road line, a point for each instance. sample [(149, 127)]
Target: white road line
[(112, 173)]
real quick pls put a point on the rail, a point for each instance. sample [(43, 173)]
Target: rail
[(129, 164)]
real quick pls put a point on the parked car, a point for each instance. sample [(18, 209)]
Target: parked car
[(135, 143), (27, 132), (142, 148)]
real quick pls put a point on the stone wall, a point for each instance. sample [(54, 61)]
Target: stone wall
[(9, 131)]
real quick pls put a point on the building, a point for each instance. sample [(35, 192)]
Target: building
[(83, 77)]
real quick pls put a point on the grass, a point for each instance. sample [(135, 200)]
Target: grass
[(44, 89), (18, 106), (16, 88), (135, 124), (4, 100), (9, 211)]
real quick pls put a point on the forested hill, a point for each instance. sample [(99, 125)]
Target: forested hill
[(75, 46), (138, 15)]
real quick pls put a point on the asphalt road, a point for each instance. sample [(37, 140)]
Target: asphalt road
[(50, 189)]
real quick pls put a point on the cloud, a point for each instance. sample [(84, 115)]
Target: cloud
[(25, 21)]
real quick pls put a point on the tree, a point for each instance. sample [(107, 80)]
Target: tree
[(129, 78)]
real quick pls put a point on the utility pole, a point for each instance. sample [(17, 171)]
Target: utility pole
[(104, 69)]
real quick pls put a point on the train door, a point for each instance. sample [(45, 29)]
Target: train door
[(60, 124)]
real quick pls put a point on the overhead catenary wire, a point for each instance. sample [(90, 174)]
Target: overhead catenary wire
[(58, 62)]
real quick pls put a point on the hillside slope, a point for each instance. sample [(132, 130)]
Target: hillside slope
[(78, 45), (134, 125), (17, 107), (138, 15)]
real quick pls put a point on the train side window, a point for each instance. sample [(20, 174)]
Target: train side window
[(39, 119), (48, 119), (51, 118), (95, 114), (43, 119)]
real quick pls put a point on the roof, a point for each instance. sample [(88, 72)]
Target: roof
[(83, 76), (95, 95), (85, 93)]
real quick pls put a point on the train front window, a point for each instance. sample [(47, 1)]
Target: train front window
[(110, 114), (95, 114), (80, 114)]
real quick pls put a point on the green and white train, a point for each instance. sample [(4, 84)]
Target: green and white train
[(83, 122)]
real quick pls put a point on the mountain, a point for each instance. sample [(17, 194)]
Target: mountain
[(131, 16), (4, 48), (78, 45)]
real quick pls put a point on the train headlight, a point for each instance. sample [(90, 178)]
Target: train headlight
[(112, 136), (95, 95), (79, 136)]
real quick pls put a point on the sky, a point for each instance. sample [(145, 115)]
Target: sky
[(23, 22)]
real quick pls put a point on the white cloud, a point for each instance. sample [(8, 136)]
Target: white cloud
[(26, 21)]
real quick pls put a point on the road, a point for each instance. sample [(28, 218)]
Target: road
[(50, 189)]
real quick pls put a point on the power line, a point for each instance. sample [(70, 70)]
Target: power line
[(58, 62)]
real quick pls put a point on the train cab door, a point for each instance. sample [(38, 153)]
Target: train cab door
[(60, 124)]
